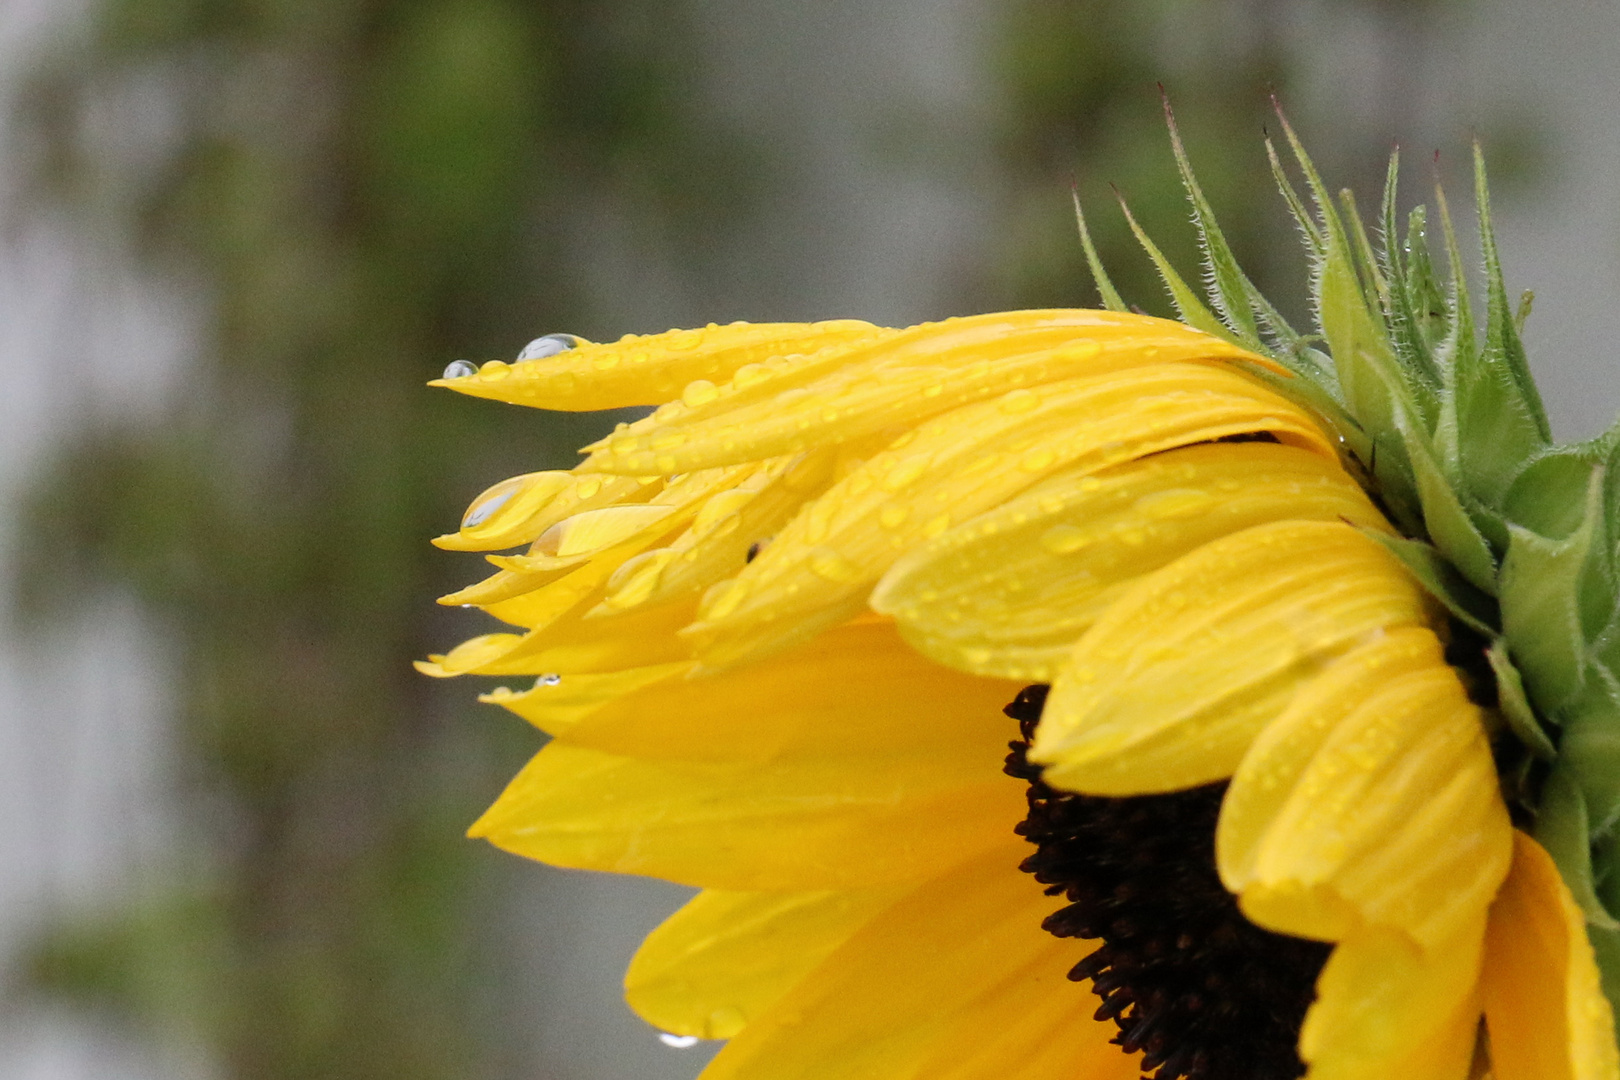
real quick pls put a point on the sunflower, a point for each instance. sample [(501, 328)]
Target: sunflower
[(1309, 642)]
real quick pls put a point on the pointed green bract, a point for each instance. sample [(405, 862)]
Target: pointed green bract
[(1563, 828), (1438, 415), (1099, 274), (1540, 593), (1515, 705)]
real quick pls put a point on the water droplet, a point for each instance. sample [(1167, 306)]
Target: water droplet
[(1037, 460), (1019, 401), (549, 345), (549, 679), (495, 369), (460, 369), (481, 512), (679, 1042), (831, 566), (1063, 539), (587, 489), (894, 516), (905, 472), (684, 340), (699, 392)]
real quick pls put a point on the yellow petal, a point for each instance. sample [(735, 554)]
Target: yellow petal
[(855, 690), (648, 369), (869, 767), (579, 642), (500, 516), (556, 703), (901, 381), (1270, 772), (1008, 593), (1169, 688), (730, 523), (820, 569), (1385, 1008), (518, 510), (1544, 1008), (726, 957), (1395, 820), (801, 824), (943, 971)]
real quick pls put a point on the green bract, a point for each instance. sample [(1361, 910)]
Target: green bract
[(1515, 534)]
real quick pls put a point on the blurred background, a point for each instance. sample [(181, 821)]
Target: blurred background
[(237, 236)]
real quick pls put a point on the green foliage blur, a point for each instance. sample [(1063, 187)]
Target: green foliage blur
[(365, 190)]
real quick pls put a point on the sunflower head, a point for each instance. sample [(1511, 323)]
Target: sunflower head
[(1310, 639)]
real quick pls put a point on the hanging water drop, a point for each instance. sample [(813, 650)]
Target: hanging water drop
[(550, 679), (460, 369), (679, 1042), (482, 511), (549, 345)]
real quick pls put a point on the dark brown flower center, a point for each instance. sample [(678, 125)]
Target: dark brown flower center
[(1195, 987)]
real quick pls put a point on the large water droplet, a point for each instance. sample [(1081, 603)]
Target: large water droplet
[(460, 369), (679, 1042), (495, 369), (481, 512), (550, 345)]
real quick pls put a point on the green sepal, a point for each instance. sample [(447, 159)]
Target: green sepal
[(1099, 273), (1500, 420), (1183, 296), (1446, 519), (1547, 498), (1514, 705), (1296, 206), (1229, 288), (1472, 608), (1541, 602), (1369, 375), (1415, 304), (1590, 747), (1562, 828)]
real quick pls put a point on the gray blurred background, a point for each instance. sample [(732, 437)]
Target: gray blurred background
[(236, 236)]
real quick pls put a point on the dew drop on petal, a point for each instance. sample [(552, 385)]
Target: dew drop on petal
[(1019, 401), (831, 566), (699, 392), (460, 369), (1063, 539), (549, 679), (495, 369), (549, 345), (679, 1042), (482, 511)]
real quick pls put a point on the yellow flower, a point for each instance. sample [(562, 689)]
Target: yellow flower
[(774, 625)]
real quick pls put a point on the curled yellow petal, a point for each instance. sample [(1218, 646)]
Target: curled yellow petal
[(821, 568), (1171, 686), (1007, 593), (1389, 817), (900, 380), (648, 369), (1544, 1006), (501, 516)]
